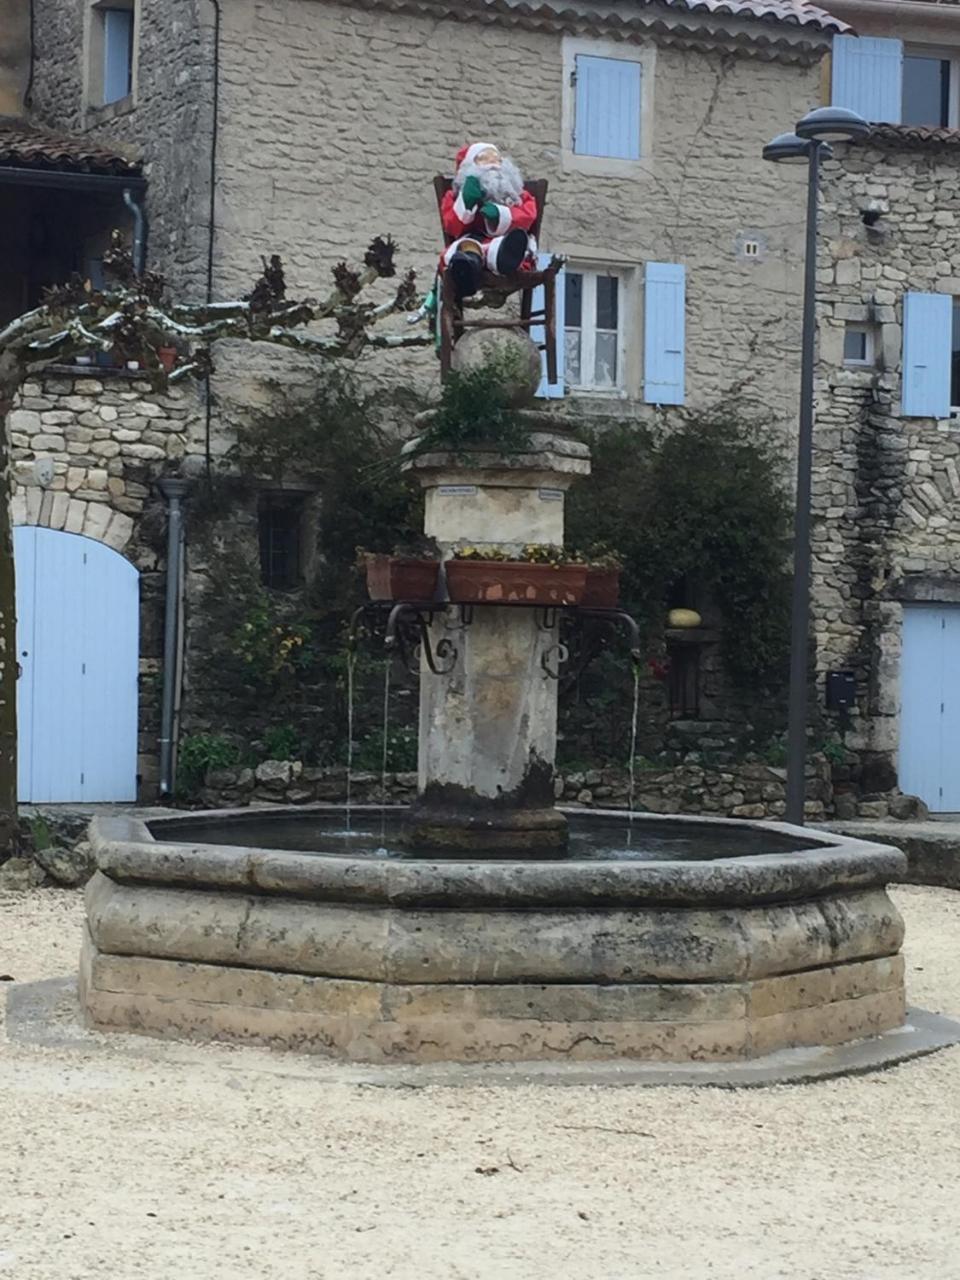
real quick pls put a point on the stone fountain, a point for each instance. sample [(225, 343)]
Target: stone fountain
[(485, 924)]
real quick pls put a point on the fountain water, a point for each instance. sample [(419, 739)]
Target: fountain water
[(487, 924)]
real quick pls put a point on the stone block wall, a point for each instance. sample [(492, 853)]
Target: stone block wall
[(167, 121), (87, 445), (747, 789), (356, 109), (885, 487)]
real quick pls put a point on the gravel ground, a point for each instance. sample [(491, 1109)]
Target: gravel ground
[(231, 1164)]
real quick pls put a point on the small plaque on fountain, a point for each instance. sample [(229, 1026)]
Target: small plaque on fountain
[(551, 495), (457, 490)]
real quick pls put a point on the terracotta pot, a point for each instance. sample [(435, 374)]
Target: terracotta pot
[(514, 582), (401, 578), (167, 357), (603, 588)]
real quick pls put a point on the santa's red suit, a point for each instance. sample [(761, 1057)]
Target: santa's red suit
[(477, 227)]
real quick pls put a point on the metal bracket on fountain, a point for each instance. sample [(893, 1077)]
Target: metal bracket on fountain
[(583, 634), (406, 631)]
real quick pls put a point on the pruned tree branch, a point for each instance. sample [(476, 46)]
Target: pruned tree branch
[(135, 318)]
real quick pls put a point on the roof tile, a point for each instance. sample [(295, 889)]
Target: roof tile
[(24, 145)]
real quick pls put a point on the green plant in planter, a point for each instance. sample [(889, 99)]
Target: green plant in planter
[(475, 412), (600, 555), (533, 553)]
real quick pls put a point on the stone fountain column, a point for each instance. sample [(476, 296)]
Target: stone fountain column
[(488, 729)]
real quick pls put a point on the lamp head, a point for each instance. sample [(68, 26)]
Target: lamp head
[(833, 124), (787, 148)]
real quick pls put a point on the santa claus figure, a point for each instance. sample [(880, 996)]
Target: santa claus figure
[(489, 213)]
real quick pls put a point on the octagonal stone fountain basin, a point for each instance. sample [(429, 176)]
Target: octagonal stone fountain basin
[(669, 940)]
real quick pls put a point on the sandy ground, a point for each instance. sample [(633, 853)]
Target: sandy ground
[(236, 1164)]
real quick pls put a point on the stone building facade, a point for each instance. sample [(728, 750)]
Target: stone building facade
[(87, 447), (311, 125), (886, 481)]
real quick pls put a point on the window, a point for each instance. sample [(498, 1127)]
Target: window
[(928, 328), (684, 681), (111, 51), (926, 89), (858, 345), (890, 83), (280, 520), (593, 330), (955, 362), (607, 107)]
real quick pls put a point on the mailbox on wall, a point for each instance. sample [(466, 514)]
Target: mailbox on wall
[(841, 690)]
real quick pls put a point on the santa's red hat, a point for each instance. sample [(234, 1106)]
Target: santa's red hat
[(469, 153)]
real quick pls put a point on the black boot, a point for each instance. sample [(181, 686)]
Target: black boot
[(512, 252), (466, 270)]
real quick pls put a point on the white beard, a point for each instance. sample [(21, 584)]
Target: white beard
[(502, 183)]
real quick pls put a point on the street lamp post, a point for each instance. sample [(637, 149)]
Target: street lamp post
[(810, 144)]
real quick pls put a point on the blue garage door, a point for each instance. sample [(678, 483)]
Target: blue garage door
[(929, 762), (78, 649)]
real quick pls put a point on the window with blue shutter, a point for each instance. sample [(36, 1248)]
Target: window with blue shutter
[(607, 108), (547, 390), (664, 332), (927, 354), (868, 77), (117, 54)]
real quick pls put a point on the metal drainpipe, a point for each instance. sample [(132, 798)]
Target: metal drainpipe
[(173, 490), (139, 231), (212, 224)]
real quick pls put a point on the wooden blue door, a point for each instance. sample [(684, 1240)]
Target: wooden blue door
[(929, 761), (78, 641)]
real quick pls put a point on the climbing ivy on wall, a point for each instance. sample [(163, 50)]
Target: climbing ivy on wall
[(700, 503), (699, 508)]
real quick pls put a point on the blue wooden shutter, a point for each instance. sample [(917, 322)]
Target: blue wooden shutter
[(117, 53), (538, 333), (868, 77), (664, 332), (927, 346), (607, 108)]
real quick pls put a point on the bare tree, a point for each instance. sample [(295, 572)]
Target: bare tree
[(134, 318)]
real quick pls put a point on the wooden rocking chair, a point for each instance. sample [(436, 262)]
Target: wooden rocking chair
[(451, 318)]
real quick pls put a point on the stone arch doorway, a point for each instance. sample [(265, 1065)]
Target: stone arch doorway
[(78, 635)]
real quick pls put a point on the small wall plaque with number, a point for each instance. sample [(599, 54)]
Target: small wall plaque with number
[(457, 490), (551, 495)]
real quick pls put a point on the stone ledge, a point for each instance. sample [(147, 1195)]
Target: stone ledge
[(932, 848), (47, 1014), (371, 1022), (385, 944), (127, 851)]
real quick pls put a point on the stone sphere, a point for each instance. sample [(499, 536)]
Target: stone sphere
[(511, 348)]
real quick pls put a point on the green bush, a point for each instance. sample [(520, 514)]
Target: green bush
[(475, 409), (701, 502), (401, 751), (199, 752), (281, 742)]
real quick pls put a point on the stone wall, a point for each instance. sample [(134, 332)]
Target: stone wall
[(167, 120), (886, 487), (356, 110), (87, 446), (748, 789), (334, 119)]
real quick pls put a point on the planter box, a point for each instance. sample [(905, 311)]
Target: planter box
[(400, 578), (602, 590), (514, 582)]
